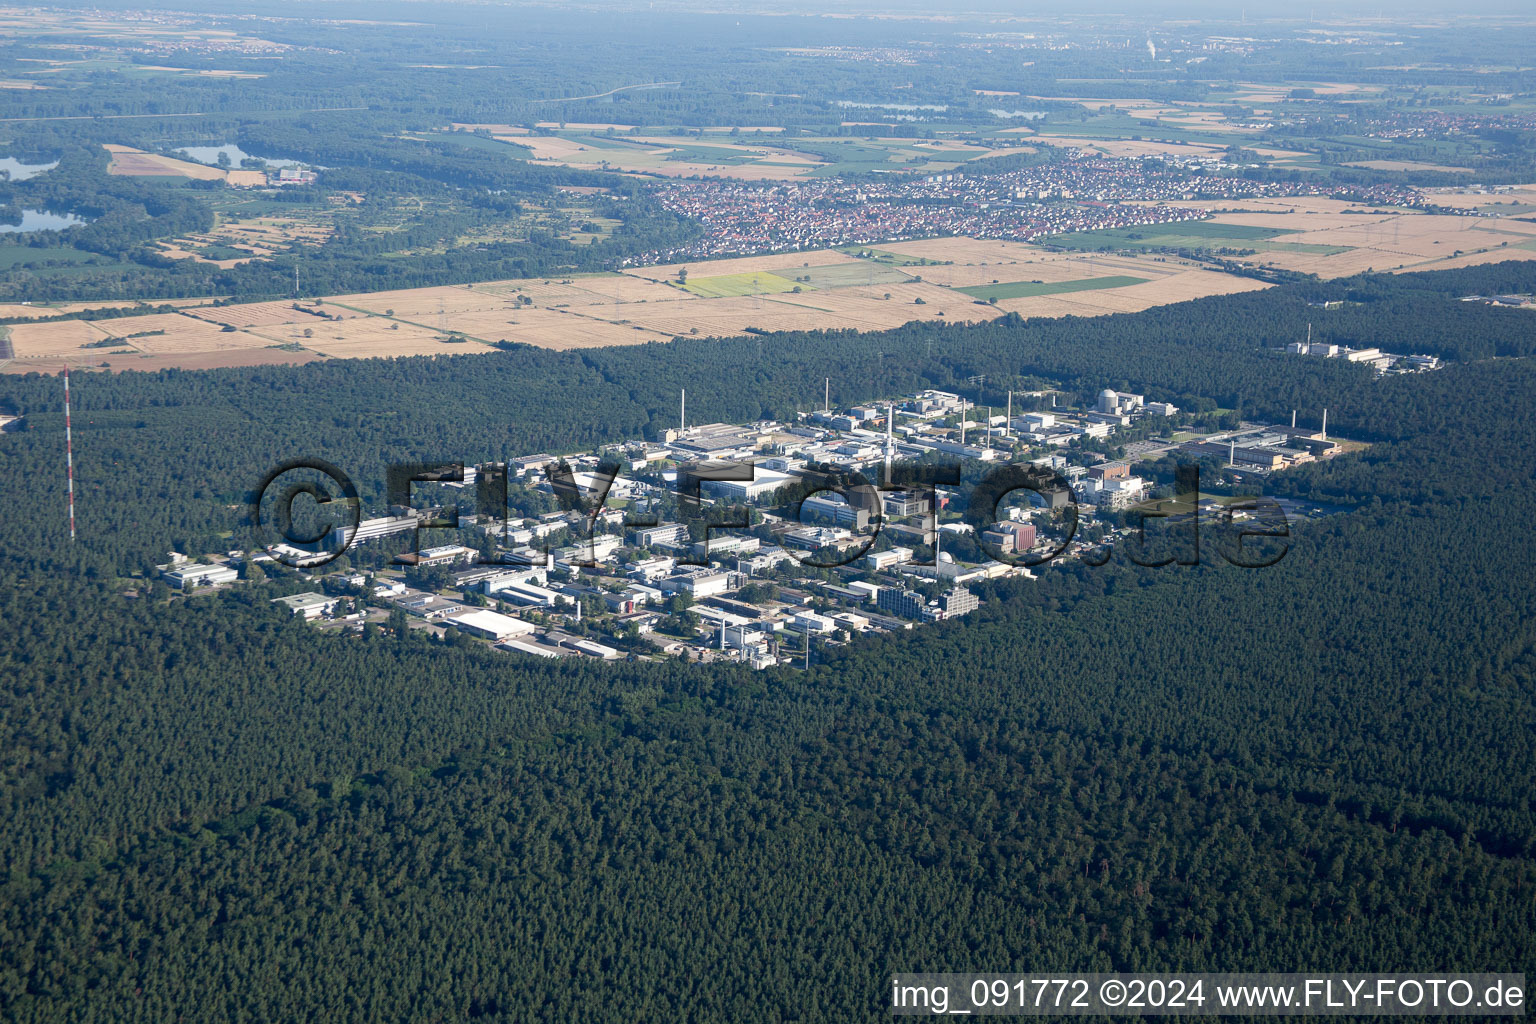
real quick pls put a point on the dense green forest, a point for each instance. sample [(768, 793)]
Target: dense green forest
[(213, 812)]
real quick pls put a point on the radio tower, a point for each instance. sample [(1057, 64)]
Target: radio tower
[(69, 456)]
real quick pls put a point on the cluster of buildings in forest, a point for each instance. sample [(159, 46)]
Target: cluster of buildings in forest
[(1381, 362), (756, 543)]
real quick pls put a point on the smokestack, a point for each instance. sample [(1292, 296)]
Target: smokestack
[(1231, 453), (962, 421), (890, 438), (826, 401), (1325, 424), (1293, 419), (682, 412), (1008, 427)]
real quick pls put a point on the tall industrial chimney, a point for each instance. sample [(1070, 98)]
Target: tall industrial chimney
[(890, 438)]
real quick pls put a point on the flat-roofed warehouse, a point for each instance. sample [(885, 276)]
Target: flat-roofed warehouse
[(721, 439), (488, 625), (763, 483)]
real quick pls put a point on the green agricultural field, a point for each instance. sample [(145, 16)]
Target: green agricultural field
[(1211, 229), (844, 275), (1109, 127), (713, 155), (71, 261), (1025, 289), (760, 283), (1202, 234)]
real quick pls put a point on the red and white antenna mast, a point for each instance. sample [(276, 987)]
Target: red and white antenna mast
[(69, 456)]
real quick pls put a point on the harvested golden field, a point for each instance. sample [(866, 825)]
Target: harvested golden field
[(277, 231), (611, 288), (129, 161), (972, 251), (257, 236), (199, 337), (747, 265), (568, 330), (113, 360), (87, 343), (255, 314), (666, 155), (1161, 285), (1044, 267), (176, 253), (731, 315), (371, 336), (1407, 165), (1479, 258), (171, 323), (1488, 198), (39, 311), (953, 305), (486, 324), (418, 303), (553, 147), (65, 337), (868, 308), (1335, 238)]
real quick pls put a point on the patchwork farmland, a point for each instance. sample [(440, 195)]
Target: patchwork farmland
[(1335, 238), (952, 279)]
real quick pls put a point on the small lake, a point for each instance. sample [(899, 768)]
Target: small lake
[(42, 220), (22, 171), (210, 155)]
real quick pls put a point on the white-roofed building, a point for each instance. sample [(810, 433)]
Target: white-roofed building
[(488, 625)]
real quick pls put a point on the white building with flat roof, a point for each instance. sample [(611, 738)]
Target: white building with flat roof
[(310, 605), (488, 625), (189, 576)]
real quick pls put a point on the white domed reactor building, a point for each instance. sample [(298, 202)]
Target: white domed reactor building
[(1111, 401)]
